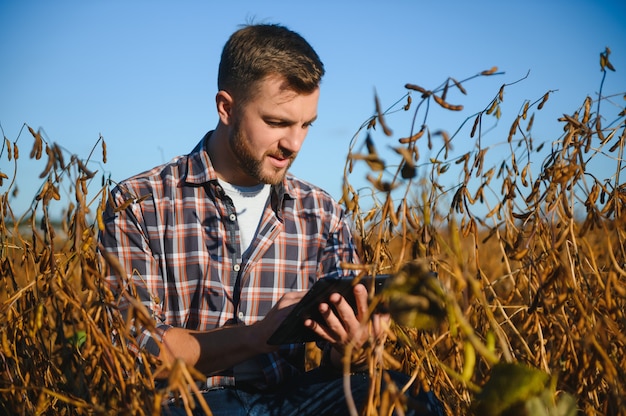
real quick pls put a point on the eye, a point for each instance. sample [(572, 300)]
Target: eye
[(275, 123)]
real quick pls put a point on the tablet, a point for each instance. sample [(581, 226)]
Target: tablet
[(292, 329)]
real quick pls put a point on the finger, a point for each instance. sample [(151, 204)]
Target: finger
[(381, 322), (331, 329), (343, 311), (380, 326), (338, 320), (360, 295), (376, 325), (355, 331), (346, 311), (319, 330)]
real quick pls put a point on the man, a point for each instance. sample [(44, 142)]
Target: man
[(220, 243)]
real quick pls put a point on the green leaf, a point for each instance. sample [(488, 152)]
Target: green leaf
[(79, 338), (510, 385)]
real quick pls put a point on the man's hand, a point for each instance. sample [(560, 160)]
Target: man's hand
[(344, 329), (217, 349)]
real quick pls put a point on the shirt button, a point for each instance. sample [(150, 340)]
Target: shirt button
[(236, 267), (241, 315), (232, 217)]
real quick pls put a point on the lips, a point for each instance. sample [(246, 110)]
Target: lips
[(280, 160)]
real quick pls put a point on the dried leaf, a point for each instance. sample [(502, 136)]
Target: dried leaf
[(490, 71), (415, 137), (381, 118), (417, 88), (104, 151), (476, 122), (381, 185), (37, 145), (447, 105), (543, 100), (459, 86)]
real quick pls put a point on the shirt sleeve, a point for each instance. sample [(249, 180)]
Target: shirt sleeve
[(138, 273), (340, 248)]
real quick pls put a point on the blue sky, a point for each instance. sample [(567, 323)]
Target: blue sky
[(143, 74)]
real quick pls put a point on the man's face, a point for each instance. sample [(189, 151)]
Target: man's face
[(268, 131)]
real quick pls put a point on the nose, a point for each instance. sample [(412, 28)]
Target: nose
[(294, 138)]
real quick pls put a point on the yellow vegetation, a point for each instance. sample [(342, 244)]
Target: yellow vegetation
[(530, 259)]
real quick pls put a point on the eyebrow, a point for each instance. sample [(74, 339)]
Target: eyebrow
[(286, 121)]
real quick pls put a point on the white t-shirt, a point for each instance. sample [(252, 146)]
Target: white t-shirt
[(249, 204)]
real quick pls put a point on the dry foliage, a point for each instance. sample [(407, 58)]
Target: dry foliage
[(64, 344), (531, 261), (531, 267)]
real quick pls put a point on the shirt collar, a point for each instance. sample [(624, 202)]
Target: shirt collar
[(199, 167)]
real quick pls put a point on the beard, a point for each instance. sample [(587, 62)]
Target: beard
[(253, 166)]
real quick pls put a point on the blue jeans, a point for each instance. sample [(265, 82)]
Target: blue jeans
[(317, 392)]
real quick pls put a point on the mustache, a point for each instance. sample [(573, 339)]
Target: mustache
[(283, 154)]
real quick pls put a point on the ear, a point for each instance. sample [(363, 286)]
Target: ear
[(225, 105)]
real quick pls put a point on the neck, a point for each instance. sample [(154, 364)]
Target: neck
[(224, 162), (217, 143)]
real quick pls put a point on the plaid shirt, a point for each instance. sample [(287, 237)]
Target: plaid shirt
[(178, 240)]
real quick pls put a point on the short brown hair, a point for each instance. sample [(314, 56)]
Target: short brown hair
[(256, 51)]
